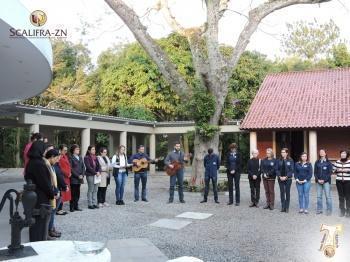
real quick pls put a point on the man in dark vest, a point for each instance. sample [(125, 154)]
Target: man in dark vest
[(211, 164)]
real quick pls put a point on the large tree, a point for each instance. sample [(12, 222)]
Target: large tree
[(213, 68), (310, 40)]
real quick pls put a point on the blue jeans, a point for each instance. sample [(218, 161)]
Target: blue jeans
[(92, 190), (120, 180), (326, 187), (143, 177), (53, 213), (179, 176), (303, 192), (285, 192)]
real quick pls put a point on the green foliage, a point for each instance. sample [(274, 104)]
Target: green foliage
[(135, 112), (310, 40), (201, 106), (69, 88), (244, 83), (128, 78), (9, 146), (341, 56)]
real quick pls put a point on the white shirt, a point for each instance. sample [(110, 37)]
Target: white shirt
[(122, 162)]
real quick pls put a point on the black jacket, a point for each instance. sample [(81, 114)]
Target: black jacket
[(39, 174), (61, 185), (268, 167), (78, 169), (233, 162), (254, 168)]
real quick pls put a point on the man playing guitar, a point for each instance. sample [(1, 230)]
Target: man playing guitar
[(175, 162), (140, 163)]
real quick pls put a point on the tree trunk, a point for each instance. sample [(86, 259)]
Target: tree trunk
[(200, 150)]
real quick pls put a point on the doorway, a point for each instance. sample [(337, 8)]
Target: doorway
[(293, 140)]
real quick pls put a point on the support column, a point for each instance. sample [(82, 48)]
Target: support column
[(111, 148), (34, 128), (123, 139), (85, 140), (253, 142), (305, 140), (312, 146), (274, 142), (152, 152), (133, 144)]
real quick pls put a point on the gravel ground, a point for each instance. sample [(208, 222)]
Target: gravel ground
[(231, 234)]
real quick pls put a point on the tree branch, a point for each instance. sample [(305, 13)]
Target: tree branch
[(166, 67), (163, 5), (255, 17)]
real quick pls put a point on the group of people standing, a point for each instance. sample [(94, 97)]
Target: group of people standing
[(58, 176), (283, 169)]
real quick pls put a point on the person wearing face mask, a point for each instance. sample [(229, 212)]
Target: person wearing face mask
[(233, 165), (284, 172), (179, 156), (342, 170), (211, 165), (323, 172)]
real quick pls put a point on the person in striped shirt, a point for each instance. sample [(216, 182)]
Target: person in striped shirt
[(342, 169)]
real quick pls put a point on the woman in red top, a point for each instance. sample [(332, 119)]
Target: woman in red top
[(66, 170)]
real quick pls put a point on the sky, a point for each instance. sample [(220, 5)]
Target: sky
[(97, 26)]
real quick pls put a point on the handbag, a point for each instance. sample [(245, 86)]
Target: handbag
[(97, 179)]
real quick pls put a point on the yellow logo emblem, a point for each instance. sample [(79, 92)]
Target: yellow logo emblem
[(38, 18)]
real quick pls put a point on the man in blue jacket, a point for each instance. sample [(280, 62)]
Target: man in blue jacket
[(211, 164)]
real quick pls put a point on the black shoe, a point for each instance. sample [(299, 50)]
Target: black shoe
[(71, 210), (135, 200), (96, 206), (230, 203), (170, 201), (77, 209), (217, 202), (204, 201), (256, 205), (342, 213), (144, 200), (91, 207), (237, 204), (182, 201), (252, 205), (122, 202), (283, 210), (117, 202), (271, 208), (266, 207)]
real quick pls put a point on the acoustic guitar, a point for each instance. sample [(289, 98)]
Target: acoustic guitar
[(143, 163), (139, 164), (172, 171)]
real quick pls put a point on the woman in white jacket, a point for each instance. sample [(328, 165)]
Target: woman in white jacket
[(106, 167)]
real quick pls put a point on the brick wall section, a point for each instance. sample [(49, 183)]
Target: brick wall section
[(333, 140), (264, 140)]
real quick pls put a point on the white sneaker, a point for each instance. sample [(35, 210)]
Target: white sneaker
[(106, 204), (100, 205)]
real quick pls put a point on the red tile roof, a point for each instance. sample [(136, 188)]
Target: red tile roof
[(309, 99)]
